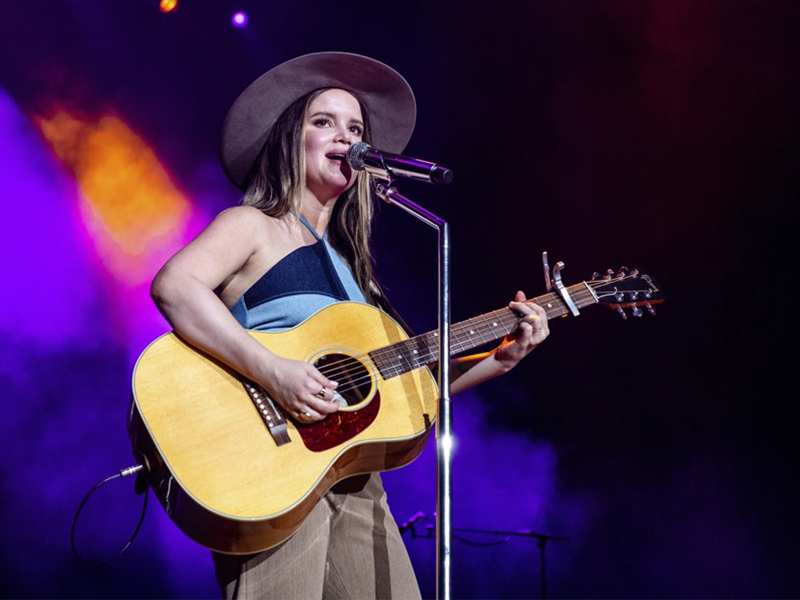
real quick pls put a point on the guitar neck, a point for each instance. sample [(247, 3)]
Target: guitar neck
[(423, 350)]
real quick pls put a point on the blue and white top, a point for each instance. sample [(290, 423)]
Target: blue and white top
[(300, 284)]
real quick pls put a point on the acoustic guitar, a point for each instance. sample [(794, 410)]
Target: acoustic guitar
[(239, 475)]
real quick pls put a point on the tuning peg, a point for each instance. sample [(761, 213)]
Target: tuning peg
[(636, 311), (634, 295), (621, 312), (609, 274), (635, 273), (596, 276), (650, 309), (623, 272)]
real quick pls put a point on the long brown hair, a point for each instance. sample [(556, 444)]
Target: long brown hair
[(277, 183)]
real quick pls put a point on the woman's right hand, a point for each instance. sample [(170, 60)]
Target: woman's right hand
[(300, 389)]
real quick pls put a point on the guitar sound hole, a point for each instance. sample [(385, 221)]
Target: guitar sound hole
[(355, 380)]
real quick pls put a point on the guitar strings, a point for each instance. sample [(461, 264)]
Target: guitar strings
[(580, 294), (348, 366), (343, 367)]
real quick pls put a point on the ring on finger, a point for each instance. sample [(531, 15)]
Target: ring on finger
[(321, 393), (303, 415)]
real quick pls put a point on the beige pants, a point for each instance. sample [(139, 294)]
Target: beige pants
[(348, 547)]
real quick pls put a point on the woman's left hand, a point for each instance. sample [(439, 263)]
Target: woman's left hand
[(533, 330)]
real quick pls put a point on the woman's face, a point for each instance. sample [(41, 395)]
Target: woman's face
[(332, 124)]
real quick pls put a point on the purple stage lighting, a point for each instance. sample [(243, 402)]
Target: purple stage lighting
[(239, 19)]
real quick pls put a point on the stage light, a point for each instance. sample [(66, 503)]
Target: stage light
[(132, 236), (239, 19), (166, 6)]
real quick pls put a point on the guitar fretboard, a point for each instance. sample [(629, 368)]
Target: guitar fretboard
[(423, 350)]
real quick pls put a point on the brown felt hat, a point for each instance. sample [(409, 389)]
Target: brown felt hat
[(384, 93)]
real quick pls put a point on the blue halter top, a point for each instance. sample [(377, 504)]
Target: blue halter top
[(301, 283)]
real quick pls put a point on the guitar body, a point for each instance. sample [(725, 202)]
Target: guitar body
[(216, 468)]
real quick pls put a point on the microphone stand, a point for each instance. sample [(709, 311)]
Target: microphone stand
[(541, 543), (541, 540), (444, 419)]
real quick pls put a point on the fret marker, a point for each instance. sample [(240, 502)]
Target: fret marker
[(416, 351), (549, 306), (494, 324), (472, 332)]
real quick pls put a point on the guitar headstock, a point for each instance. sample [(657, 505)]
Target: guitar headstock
[(627, 289)]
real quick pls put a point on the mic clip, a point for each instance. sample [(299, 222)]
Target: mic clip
[(384, 187)]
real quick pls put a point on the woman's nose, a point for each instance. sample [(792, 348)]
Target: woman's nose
[(345, 136)]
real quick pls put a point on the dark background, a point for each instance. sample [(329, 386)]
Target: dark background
[(662, 135)]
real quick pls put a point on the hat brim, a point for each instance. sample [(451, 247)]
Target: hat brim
[(385, 94)]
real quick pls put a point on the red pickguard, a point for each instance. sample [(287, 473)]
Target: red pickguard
[(338, 427)]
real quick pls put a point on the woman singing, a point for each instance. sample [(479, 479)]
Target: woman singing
[(299, 242)]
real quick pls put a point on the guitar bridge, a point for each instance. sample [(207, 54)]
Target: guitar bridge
[(272, 417)]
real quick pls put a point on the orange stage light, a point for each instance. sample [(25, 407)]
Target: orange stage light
[(130, 207), (167, 5)]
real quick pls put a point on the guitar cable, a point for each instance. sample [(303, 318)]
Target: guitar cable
[(141, 486)]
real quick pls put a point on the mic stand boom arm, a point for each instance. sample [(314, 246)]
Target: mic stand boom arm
[(444, 419)]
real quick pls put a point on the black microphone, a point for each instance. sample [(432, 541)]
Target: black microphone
[(363, 157)]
